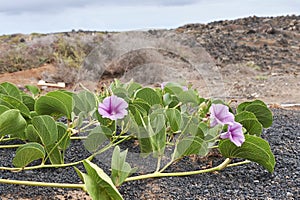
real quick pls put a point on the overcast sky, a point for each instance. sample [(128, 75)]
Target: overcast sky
[(45, 16)]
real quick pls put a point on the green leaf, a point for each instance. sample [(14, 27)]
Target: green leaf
[(10, 90), (174, 118), (12, 123), (63, 138), (189, 96), (27, 153), (14, 103), (120, 169), (189, 125), (96, 138), (142, 106), (33, 89), (55, 103), (241, 107), (84, 101), (46, 129), (3, 109), (28, 101), (254, 148), (173, 88), (249, 122), (262, 113), (152, 136), (190, 145), (149, 95), (54, 154), (209, 133), (132, 87), (120, 92), (32, 134), (260, 110), (97, 183)]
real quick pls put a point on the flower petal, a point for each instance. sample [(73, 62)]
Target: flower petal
[(113, 107), (219, 114), (234, 134)]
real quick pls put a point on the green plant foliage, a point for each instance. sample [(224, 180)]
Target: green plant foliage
[(96, 138), (46, 129), (12, 123), (208, 133), (120, 168), (35, 91), (14, 103), (174, 119), (254, 148), (132, 87), (173, 88), (57, 103), (241, 107), (54, 154), (149, 95), (189, 96), (28, 101), (260, 110), (190, 145), (97, 183), (249, 122), (262, 113), (28, 153), (152, 136), (10, 90), (3, 109), (32, 134), (63, 139), (85, 102)]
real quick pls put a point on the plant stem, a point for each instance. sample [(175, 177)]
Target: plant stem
[(10, 146), (41, 166), (160, 174), (167, 165), (43, 184), (78, 138), (158, 164), (7, 139), (239, 163)]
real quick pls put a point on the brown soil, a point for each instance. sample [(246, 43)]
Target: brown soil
[(241, 82)]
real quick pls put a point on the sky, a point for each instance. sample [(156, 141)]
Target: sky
[(47, 16)]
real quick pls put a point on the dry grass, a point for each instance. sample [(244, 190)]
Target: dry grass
[(66, 51)]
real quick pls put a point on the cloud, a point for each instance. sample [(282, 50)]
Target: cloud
[(47, 16), (15, 7)]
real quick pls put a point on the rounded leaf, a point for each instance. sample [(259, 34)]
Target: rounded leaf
[(27, 153), (149, 95), (12, 123), (254, 148)]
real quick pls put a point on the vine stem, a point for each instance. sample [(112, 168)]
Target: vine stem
[(10, 146), (224, 164), (43, 184)]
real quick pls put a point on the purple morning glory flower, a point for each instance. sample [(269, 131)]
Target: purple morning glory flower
[(219, 114), (234, 134), (113, 107)]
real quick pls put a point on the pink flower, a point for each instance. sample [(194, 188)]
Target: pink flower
[(219, 114), (113, 107), (234, 134)]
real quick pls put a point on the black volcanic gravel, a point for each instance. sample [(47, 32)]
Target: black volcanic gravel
[(249, 181)]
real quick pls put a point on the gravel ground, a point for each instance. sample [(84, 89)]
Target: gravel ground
[(243, 182)]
